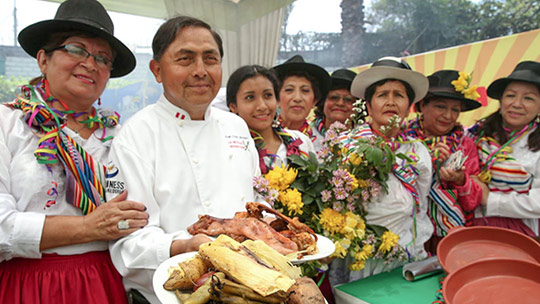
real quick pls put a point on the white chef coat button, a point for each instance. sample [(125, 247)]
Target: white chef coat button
[(230, 156), (207, 204), (242, 198), (180, 123), (195, 161)]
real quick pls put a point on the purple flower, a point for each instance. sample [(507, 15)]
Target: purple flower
[(326, 195), (365, 195), (337, 206), (340, 193), (337, 181), (350, 207)]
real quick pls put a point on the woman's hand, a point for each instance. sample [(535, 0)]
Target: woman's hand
[(187, 245), (444, 151), (103, 221), (485, 189), (456, 177), (100, 225)]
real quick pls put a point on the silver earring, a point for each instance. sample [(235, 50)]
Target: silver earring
[(538, 118), (275, 123)]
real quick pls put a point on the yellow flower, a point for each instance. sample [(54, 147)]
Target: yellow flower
[(389, 240), (341, 248), (292, 198), (280, 178), (366, 253), (463, 85), (355, 159), (460, 84), (362, 183), (353, 226), (471, 93), (331, 220), (358, 265), (354, 183)]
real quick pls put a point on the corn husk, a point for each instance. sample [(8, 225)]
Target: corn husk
[(245, 266), (269, 255)]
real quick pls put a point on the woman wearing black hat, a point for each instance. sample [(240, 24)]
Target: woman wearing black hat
[(454, 195), (508, 144), (337, 106), (389, 87), (252, 92), (302, 85), (54, 222)]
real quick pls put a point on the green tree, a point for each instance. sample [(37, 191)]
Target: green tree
[(498, 18), (415, 26), (8, 87), (352, 32)]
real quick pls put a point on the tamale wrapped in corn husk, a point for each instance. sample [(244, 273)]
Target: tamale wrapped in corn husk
[(245, 266)]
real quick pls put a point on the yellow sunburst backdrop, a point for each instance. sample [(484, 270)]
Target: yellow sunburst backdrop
[(487, 60)]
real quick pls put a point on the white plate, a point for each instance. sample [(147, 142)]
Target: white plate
[(326, 248), (325, 245), (162, 274)]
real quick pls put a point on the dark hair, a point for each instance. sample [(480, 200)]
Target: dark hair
[(314, 82), (370, 91), (166, 34), (492, 126), (319, 106), (246, 72), (57, 39)]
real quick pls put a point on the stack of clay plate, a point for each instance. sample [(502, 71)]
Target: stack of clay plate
[(489, 265)]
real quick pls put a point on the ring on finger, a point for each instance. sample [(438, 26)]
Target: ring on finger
[(123, 225)]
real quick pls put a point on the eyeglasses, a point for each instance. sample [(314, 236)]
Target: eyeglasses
[(346, 98), (80, 53)]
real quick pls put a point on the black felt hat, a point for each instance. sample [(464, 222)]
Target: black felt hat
[(79, 15), (526, 71), (440, 85), (342, 77), (297, 63)]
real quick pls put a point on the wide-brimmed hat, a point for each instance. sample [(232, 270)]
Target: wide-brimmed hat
[(440, 85), (390, 68), (526, 71), (79, 15), (297, 63), (342, 77)]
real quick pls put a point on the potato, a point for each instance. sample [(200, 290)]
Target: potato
[(304, 291), (187, 272)]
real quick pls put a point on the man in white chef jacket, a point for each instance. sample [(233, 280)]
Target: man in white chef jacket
[(180, 157)]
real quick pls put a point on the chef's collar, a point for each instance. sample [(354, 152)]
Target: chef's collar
[(177, 112)]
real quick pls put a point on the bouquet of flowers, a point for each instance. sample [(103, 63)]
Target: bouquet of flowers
[(331, 192)]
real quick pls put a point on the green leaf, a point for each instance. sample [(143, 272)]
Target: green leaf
[(378, 230)]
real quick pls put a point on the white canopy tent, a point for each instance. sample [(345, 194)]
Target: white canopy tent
[(250, 29)]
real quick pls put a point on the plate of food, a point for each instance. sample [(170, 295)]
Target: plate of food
[(247, 270), (162, 274), (289, 236), (325, 247)]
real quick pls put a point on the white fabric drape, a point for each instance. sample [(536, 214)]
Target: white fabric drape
[(250, 32)]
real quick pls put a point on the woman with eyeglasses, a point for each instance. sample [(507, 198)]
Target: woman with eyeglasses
[(55, 221), (337, 106)]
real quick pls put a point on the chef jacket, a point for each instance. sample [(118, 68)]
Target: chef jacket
[(180, 169)]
